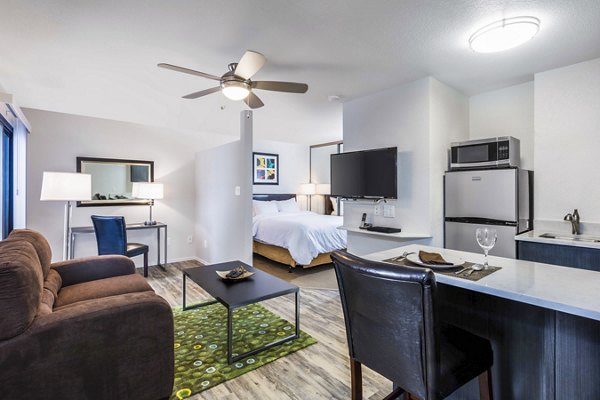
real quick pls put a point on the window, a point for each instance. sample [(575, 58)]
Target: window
[(6, 164)]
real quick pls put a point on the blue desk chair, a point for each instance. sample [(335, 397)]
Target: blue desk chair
[(111, 237)]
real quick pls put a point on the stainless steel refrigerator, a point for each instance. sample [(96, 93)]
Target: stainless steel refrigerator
[(498, 198)]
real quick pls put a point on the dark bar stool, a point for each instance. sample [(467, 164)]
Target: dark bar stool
[(111, 237), (393, 329)]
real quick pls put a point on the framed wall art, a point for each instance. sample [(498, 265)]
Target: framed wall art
[(265, 169)]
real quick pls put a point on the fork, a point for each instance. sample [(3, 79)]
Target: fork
[(404, 255), (462, 270)]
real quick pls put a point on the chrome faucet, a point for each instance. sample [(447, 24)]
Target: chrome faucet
[(574, 220)]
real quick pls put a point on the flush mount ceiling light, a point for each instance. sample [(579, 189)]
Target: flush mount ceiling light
[(504, 34)]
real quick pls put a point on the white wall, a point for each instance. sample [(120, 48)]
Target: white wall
[(505, 112), (420, 118), (395, 117), (224, 219), (567, 142), (556, 118), (57, 139), (449, 122), (293, 167)]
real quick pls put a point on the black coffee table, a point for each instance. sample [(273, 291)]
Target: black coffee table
[(261, 286)]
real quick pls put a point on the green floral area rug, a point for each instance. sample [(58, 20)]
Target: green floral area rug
[(201, 344)]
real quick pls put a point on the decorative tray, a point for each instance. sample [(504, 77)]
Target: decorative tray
[(244, 275)]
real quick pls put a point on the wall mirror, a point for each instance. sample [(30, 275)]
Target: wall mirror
[(112, 180), (320, 171)]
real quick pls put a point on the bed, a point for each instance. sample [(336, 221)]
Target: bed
[(297, 239)]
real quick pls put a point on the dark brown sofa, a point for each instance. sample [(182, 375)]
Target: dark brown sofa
[(89, 328)]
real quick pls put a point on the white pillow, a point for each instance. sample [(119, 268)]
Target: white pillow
[(288, 206), (264, 207)]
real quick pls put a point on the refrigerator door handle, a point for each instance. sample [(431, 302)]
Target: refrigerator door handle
[(481, 221)]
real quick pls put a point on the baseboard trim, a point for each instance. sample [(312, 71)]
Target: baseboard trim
[(179, 259)]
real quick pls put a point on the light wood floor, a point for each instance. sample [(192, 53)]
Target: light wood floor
[(320, 371)]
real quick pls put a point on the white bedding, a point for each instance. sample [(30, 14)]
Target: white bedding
[(304, 234)]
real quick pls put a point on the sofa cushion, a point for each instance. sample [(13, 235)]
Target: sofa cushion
[(20, 286), (47, 303), (40, 244), (53, 283), (101, 288)]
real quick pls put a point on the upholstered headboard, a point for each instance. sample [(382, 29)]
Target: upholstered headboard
[(273, 196), (328, 205)]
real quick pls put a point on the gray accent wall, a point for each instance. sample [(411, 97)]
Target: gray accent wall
[(55, 141)]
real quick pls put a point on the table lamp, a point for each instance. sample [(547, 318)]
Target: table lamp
[(323, 188), (149, 191), (66, 186), (308, 189)]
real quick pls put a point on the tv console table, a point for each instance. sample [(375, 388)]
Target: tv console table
[(78, 230)]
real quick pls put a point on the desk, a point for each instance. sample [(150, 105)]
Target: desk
[(77, 230), (543, 322)]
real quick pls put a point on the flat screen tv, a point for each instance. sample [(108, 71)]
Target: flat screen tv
[(365, 174)]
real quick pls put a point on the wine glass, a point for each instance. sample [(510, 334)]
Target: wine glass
[(486, 239)]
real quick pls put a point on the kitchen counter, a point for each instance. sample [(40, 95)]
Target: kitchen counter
[(543, 322), (396, 235), (569, 290), (534, 236)]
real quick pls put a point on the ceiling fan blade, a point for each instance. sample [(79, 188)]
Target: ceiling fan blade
[(201, 93), (249, 64), (189, 71), (290, 87), (253, 101)]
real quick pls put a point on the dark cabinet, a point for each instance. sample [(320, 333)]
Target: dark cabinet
[(568, 256)]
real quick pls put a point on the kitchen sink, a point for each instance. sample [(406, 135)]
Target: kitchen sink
[(573, 238)]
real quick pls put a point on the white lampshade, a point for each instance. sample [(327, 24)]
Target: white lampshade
[(323, 188), (148, 190), (308, 188), (66, 186)]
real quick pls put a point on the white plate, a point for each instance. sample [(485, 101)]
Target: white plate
[(456, 261)]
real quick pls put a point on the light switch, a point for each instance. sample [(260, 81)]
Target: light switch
[(237, 191), (389, 211)]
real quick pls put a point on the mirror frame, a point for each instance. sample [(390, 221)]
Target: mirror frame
[(103, 203)]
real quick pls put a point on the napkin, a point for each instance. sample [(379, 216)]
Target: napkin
[(432, 258)]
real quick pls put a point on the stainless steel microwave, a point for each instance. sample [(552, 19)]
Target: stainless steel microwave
[(499, 152)]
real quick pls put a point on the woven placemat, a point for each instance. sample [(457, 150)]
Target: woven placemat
[(475, 276)]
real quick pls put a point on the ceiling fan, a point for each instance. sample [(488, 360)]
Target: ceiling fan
[(236, 83)]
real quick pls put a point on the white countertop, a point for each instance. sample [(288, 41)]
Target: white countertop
[(396, 235), (534, 236), (569, 290)]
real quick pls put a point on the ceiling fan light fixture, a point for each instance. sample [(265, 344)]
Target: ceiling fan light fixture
[(504, 34), (235, 90)]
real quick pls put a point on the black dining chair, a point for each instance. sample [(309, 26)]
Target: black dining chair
[(393, 328), (111, 237)]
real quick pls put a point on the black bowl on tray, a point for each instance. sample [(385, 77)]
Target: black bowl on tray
[(236, 274)]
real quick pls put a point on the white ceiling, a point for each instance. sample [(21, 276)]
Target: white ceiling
[(99, 58)]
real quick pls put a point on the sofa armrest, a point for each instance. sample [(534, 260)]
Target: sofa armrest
[(87, 269), (119, 347)]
